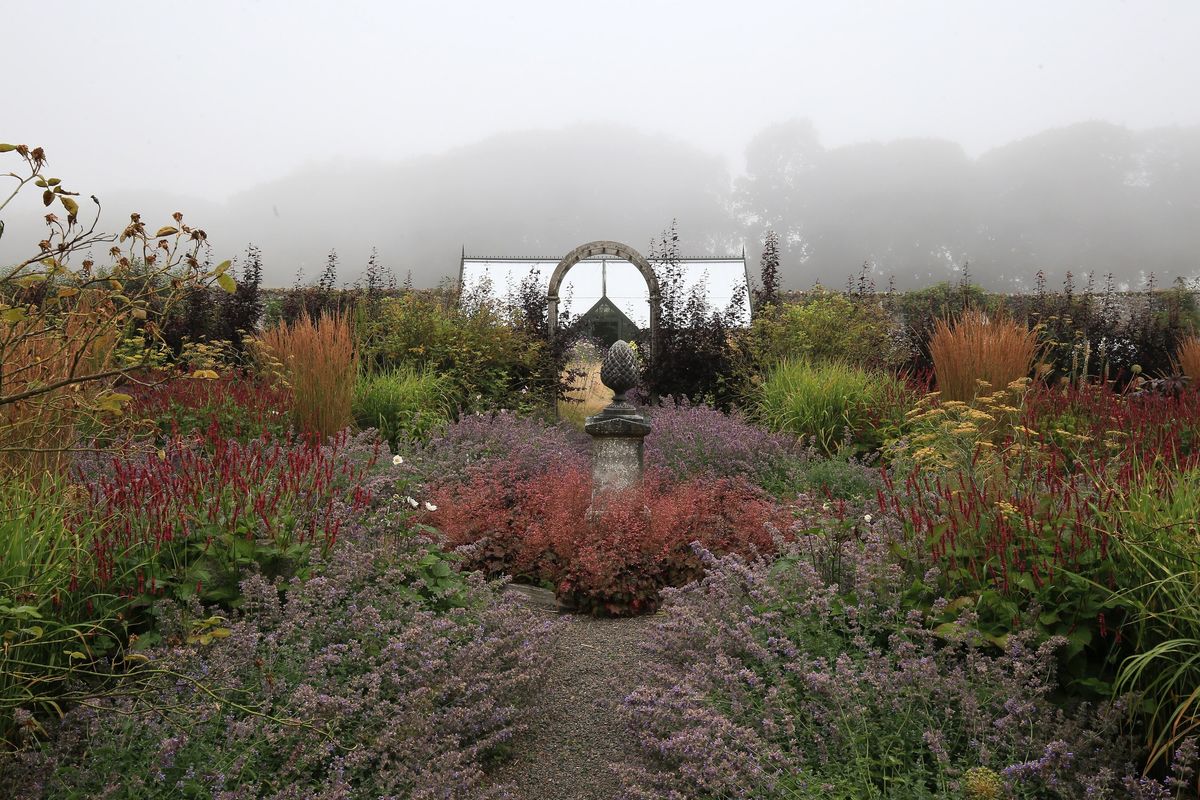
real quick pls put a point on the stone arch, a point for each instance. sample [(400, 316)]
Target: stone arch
[(603, 248)]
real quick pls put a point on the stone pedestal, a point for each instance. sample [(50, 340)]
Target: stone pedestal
[(617, 431), (616, 448)]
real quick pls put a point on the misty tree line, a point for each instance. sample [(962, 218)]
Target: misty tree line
[(1088, 198), (1092, 197)]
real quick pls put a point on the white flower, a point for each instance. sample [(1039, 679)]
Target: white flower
[(867, 518), (397, 460), (412, 501), (430, 506), (825, 506)]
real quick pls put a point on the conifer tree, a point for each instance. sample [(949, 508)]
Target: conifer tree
[(768, 294)]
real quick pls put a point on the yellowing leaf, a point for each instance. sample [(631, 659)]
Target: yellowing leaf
[(207, 374), (227, 283), (13, 315), (167, 230), (70, 205), (222, 268), (113, 402), (5, 148)]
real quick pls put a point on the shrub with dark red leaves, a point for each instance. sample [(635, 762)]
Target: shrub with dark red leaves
[(604, 554)]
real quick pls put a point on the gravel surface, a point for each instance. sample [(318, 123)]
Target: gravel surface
[(577, 732)]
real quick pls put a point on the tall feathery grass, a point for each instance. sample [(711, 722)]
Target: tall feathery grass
[(1187, 359), (826, 402), (405, 403), (976, 347), (320, 364), (37, 434)]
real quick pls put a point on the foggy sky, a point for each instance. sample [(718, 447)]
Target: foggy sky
[(202, 104)]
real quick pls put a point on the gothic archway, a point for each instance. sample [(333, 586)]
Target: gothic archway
[(603, 248)]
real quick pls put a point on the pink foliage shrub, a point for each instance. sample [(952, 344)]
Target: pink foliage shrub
[(602, 554)]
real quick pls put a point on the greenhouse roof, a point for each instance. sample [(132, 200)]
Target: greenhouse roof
[(582, 287)]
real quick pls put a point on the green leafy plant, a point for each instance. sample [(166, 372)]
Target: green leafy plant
[(55, 617), (827, 326), (487, 361), (828, 402), (1154, 528), (405, 403)]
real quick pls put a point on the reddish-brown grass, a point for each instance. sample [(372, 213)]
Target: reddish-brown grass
[(1187, 359), (320, 364), (38, 433), (977, 347)]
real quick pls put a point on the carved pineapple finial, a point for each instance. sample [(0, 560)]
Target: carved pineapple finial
[(619, 370)]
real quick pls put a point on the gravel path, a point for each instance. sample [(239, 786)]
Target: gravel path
[(577, 731)]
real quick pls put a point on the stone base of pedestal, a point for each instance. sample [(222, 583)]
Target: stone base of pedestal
[(616, 450)]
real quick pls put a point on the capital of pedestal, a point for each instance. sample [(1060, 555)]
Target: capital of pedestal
[(612, 423)]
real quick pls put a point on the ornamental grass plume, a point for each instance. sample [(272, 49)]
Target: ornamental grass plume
[(319, 361), (828, 402), (1187, 359), (976, 347), (37, 433)]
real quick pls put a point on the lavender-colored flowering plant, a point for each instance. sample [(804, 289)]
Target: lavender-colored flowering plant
[(766, 680), (526, 445), (350, 684), (687, 440)]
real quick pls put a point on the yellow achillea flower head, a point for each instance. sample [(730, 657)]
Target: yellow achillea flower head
[(1006, 508), (981, 783)]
